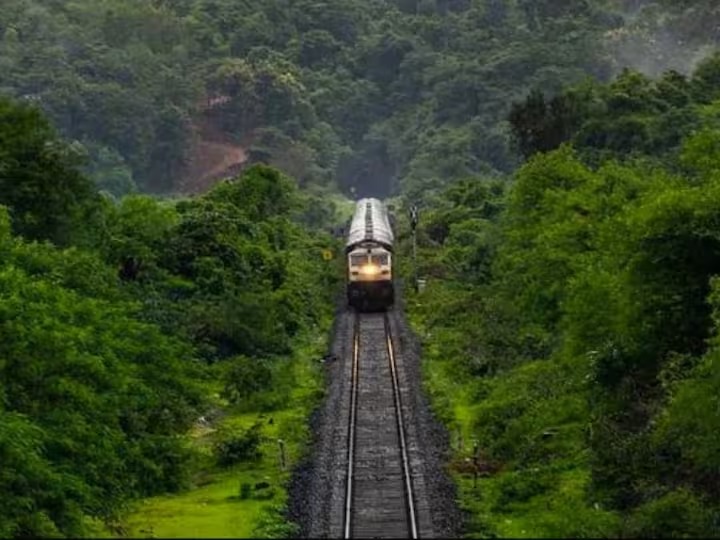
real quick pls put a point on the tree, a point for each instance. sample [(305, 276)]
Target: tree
[(40, 180)]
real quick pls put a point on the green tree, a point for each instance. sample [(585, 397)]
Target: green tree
[(40, 180)]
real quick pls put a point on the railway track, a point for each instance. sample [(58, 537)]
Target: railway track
[(379, 495)]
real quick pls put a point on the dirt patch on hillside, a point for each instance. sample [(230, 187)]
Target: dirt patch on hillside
[(214, 156)]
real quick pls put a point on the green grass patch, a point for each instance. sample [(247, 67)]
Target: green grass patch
[(245, 500), (210, 511)]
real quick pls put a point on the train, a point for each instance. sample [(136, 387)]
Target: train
[(369, 253)]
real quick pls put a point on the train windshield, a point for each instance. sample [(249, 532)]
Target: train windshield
[(358, 260), (381, 259)]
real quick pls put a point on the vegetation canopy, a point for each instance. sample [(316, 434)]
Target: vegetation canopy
[(565, 157)]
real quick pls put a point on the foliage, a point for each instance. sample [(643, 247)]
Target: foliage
[(212, 506), (571, 312), (238, 447), (104, 338), (630, 116), (39, 180), (273, 526), (379, 96), (245, 379), (587, 338), (76, 365)]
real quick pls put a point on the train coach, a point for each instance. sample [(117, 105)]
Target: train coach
[(369, 252)]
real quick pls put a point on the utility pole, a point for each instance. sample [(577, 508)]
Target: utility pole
[(476, 461), (283, 463), (413, 225)]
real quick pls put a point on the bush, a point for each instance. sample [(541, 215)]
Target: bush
[(264, 494), (243, 446), (245, 490), (245, 378), (678, 514), (521, 486), (273, 524)]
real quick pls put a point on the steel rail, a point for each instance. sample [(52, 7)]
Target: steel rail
[(351, 427), (401, 432)]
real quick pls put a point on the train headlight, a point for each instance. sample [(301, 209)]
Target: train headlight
[(370, 270)]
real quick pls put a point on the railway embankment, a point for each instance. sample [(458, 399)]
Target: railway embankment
[(319, 489)]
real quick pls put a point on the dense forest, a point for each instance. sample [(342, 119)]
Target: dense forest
[(374, 96), (118, 317), (571, 316), (564, 154)]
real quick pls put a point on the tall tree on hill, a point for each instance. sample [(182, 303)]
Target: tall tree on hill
[(49, 199)]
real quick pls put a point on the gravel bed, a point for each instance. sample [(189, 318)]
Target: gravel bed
[(316, 489), (313, 485)]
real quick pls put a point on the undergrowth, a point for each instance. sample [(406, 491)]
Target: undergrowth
[(241, 466)]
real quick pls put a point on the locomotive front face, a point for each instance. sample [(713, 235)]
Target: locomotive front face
[(370, 277), (369, 264)]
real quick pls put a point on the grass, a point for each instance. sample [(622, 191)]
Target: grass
[(211, 511), (214, 507), (532, 487)]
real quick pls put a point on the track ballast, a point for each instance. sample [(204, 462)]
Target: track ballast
[(379, 499), (379, 506)]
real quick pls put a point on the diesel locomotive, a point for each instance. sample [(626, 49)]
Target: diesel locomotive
[(369, 253)]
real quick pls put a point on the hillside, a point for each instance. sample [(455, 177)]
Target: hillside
[(379, 96), (162, 328), (570, 318), (213, 155)]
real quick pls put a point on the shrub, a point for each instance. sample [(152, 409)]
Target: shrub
[(521, 486), (245, 490), (678, 514), (264, 494), (243, 446), (245, 378)]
